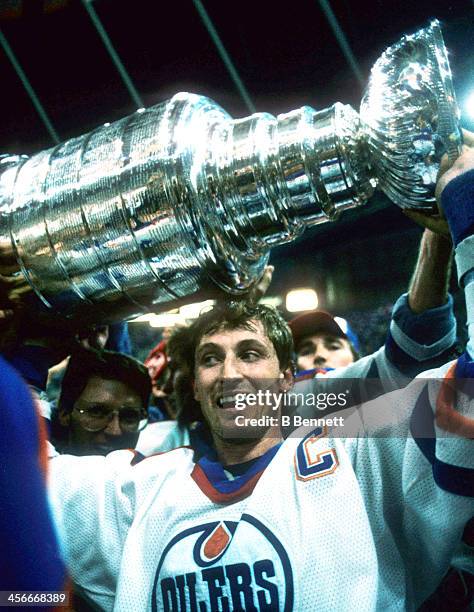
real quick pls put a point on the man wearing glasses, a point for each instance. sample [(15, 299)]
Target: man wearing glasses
[(103, 403)]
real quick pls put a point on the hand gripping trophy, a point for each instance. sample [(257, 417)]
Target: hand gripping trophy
[(154, 207)]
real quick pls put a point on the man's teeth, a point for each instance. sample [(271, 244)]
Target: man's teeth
[(227, 399)]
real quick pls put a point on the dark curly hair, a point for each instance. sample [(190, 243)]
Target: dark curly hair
[(183, 343)]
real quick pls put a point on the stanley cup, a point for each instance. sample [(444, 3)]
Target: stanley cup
[(165, 202)]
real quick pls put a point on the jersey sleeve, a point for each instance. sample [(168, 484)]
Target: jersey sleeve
[(417, 481), (417, 342), (93, 510)]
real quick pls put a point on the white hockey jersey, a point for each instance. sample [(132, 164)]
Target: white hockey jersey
[(318, 523)]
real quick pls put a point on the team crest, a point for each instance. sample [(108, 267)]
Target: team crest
[(224, 565)]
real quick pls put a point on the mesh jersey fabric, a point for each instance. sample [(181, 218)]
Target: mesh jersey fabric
[(328, 523)]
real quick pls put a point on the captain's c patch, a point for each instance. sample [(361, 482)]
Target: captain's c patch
[(309, 463)]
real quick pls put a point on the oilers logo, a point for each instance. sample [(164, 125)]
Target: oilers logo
[(224, 566)]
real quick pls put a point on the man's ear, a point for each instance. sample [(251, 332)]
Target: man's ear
[(286, 380), (64, 417)]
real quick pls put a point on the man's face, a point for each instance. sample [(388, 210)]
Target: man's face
[(323, 351), (102, 396), (230, 362)]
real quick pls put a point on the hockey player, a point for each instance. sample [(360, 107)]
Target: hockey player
[(312, 523)]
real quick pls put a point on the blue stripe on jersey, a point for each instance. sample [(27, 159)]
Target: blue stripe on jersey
[(409, 366), (451, 478), (219, 480), (465, 369)]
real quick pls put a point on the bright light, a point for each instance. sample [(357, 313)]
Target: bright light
[(167, 319), (192, 311), (301, 299), (164, 319), (144, 318), (469, 105)]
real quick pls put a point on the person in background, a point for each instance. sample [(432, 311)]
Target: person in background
[(114, 337), (422, 329), (321, 343), (161, 371), (176, 391), (103, 403)]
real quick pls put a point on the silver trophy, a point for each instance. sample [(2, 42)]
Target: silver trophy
[(161, 204)]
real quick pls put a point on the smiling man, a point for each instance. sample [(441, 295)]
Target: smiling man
[(227, 523), (316, 521), (103, 403), (236, 358)]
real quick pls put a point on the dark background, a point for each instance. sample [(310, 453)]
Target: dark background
[(286, 55)]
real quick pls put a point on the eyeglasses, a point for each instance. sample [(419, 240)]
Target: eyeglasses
[(95, 418)]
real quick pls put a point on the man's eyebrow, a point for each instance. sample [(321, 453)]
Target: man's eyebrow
[(206, 347), (304, 344), (252, 342), (332, 339)]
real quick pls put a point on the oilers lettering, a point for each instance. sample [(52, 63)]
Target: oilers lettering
[(223, 566), (236, 587)]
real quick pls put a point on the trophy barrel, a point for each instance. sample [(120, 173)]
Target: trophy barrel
[(155, 207), (159, 205)]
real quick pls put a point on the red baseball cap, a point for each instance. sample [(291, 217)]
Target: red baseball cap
[(311, 323)]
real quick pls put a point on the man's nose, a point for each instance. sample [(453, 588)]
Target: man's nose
[(230, 368), (113, 427), (320, 357)]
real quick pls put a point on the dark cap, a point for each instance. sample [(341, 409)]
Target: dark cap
[(317, 321)]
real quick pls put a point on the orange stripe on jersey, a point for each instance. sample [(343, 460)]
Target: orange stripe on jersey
[(447, 417)]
